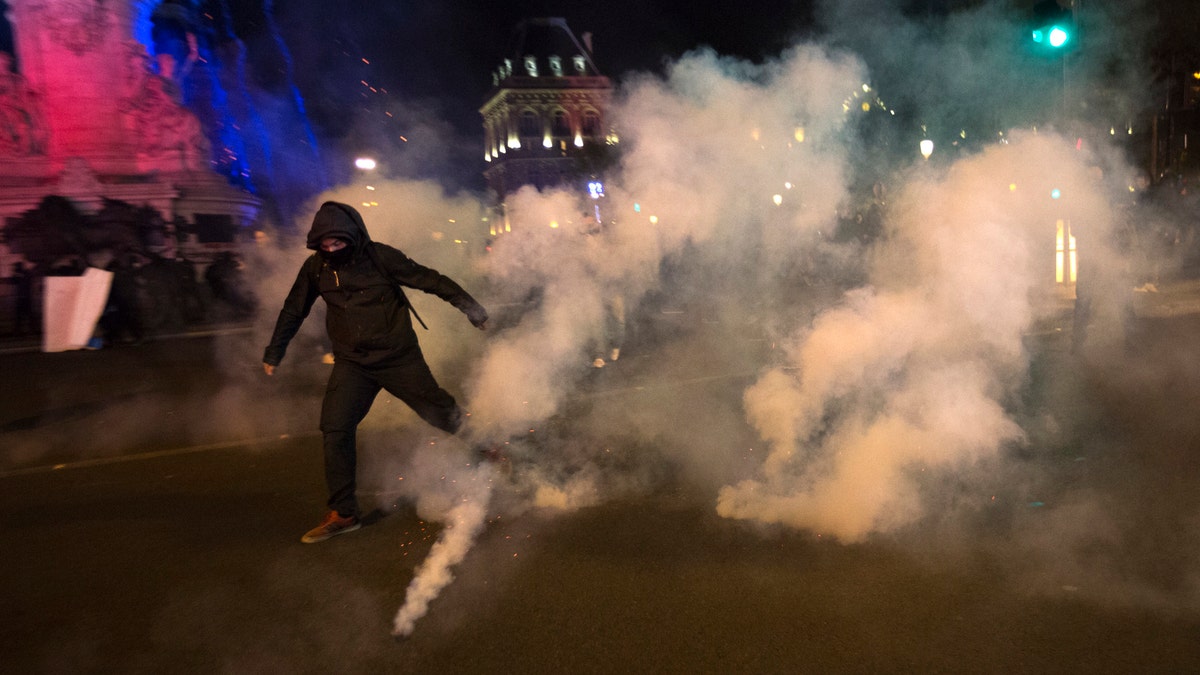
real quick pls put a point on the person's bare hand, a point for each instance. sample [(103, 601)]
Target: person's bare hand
[(478, 316), (268, 369)]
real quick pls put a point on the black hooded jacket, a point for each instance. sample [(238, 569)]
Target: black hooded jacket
[(367, 317)]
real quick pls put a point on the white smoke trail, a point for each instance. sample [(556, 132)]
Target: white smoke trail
[(463, 523)]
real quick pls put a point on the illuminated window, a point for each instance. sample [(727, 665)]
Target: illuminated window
[(556, 66), (531, 66), (580, 65)]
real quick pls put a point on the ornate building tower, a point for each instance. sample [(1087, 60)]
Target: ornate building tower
[(544, 123)]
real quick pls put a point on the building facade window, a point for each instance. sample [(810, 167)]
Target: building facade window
[(556, 66), (530, 126), (580, 65), (562, 123), (531, 66), (591, 124)]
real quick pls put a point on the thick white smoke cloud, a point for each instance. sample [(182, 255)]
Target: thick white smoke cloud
[(912, 373), (711, 146)]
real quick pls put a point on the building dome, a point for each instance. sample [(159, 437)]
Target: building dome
[(545, 48)]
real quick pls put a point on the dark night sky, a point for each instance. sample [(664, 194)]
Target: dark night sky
[(438, 54), (444, 51), (436, 57)]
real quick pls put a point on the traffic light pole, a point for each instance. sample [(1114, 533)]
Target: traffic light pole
[(1065, 96)]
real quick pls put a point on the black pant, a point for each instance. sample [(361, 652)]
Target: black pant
[(348, 397)]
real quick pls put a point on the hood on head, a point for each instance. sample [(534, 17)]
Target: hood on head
[(335, 219)]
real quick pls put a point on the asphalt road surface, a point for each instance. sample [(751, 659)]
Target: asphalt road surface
[(169, 548)]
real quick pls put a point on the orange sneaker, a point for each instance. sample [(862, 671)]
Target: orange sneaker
[(332, 525)]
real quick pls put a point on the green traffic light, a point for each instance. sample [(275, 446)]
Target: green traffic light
[(1059, 37), (1054, 36)]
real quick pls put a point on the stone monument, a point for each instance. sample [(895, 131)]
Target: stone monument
[(84, 115)]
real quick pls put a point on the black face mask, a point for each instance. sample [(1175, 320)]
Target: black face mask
[(338, 257)]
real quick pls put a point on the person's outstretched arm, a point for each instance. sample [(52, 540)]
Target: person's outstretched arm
[(295, 309), (415, 275)]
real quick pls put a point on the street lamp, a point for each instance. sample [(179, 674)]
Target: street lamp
[(926, 148), (366, 164)]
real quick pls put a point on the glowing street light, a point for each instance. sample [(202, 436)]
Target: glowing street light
[(926, 148), (364, 164)]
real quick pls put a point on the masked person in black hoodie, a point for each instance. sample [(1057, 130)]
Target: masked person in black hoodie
[(374, 344)]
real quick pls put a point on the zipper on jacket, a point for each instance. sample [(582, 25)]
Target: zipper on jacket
[(336, 282)]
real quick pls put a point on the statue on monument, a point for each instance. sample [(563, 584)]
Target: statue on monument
[(78, 25), (161, 126), (23, 131), (176, 47)]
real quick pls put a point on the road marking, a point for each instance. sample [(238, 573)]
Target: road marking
[(141, 456)]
